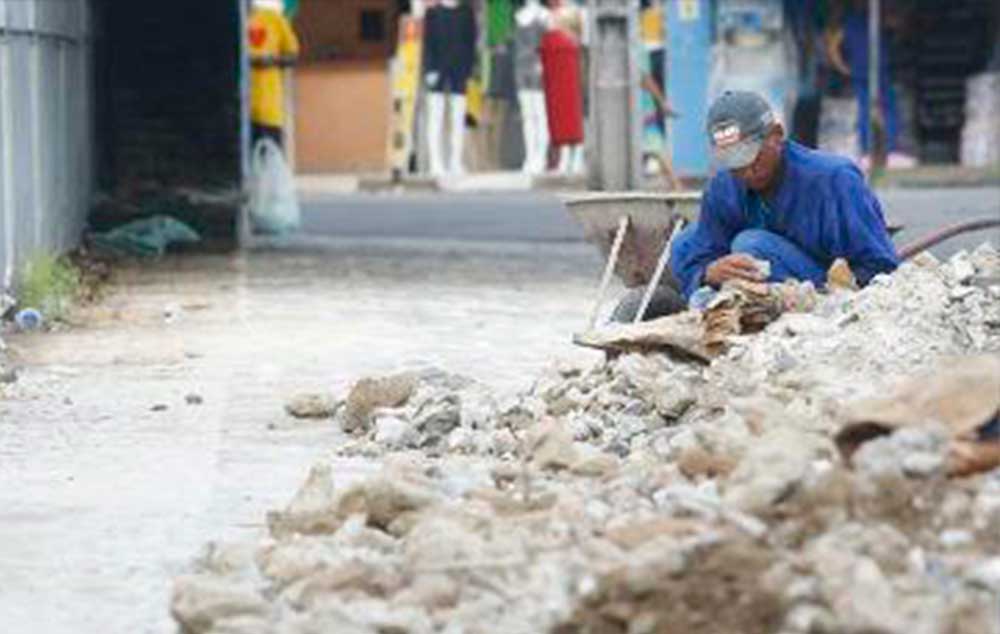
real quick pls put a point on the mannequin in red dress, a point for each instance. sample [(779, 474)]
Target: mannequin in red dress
[(563, 89)]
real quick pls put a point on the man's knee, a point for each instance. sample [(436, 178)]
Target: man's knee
[(682, 243), (755, 242)]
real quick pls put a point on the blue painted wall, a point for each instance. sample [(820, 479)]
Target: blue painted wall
[(689, 36)]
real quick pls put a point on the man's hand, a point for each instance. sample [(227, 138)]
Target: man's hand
[(731, 267)]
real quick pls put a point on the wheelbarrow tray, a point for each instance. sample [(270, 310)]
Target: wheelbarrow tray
[(651, 217)]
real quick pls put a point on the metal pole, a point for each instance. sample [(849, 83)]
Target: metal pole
[(876, 142), (7, 156), (39, 194), (244, 233)]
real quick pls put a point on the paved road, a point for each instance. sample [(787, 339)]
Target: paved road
[(924, 210), (515, 217), (533, 217)]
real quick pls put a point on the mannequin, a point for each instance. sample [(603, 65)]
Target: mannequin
[(563, 89), (449, 54), (532, 21), (499, 66), (273, 47)]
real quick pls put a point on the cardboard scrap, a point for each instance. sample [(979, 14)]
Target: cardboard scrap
[(963, 394), (680, 334), (740, 307), (746, 307)]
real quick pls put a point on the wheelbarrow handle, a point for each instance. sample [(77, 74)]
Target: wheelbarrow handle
[(609, 268), (661, 266)]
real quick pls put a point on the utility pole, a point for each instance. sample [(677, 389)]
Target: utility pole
[(876, 132), (613, 134)]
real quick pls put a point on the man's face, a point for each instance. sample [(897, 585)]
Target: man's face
[(760, 174)]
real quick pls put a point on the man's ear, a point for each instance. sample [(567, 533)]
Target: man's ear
[(778, 131)]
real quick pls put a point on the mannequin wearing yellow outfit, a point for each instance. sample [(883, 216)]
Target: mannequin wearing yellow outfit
[(273, 46)]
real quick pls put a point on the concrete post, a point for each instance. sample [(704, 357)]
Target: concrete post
[(613, 136)]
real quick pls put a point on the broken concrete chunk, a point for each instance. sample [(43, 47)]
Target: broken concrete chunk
[(633, 534), (313, 509), (199, 603), (437, 416), (311, 406), (383, 499), (961, 268), (392, 432), (696, 462), (672, 593), (551, 446), (770, 470), (369, 394), (595, 464)]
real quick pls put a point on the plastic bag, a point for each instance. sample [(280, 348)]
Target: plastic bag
[(274, 206), (146, 237)]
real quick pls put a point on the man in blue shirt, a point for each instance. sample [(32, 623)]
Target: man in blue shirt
[(780, 202)]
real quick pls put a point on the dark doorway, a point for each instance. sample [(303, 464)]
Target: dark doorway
[(169, 111)]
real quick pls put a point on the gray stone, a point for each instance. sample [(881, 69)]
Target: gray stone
[(436, 417), (986, 574), (955, 538), (917, 452), (502, 442), (960, 267), (810, 619), (674, 402), (462, 440), (630, 426)]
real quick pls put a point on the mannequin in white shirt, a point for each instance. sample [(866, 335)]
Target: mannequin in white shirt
[(532, 20)]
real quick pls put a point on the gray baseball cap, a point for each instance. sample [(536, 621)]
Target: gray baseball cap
[(738, 121)]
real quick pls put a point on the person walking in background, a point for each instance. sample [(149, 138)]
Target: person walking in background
[(847, 48), (273, 46), (654, 106)]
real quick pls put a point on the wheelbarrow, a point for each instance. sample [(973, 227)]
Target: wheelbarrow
[(634, 231)]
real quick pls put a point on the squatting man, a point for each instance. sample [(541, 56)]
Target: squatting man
[(772, 201)]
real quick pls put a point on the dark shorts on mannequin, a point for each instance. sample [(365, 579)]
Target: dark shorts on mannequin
[(450, 82), (259, 131)]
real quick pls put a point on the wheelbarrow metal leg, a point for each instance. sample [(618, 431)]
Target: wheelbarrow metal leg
[(609, 268), (661, 266)]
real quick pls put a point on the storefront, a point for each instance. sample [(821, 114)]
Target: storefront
[(342, 84), (809, 57)]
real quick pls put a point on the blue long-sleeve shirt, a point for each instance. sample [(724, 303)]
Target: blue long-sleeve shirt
[(822, 204)]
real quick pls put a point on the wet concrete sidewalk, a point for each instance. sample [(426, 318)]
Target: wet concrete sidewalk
[(112, 480)]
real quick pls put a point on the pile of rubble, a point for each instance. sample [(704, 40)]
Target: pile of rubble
[(777, 488)]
